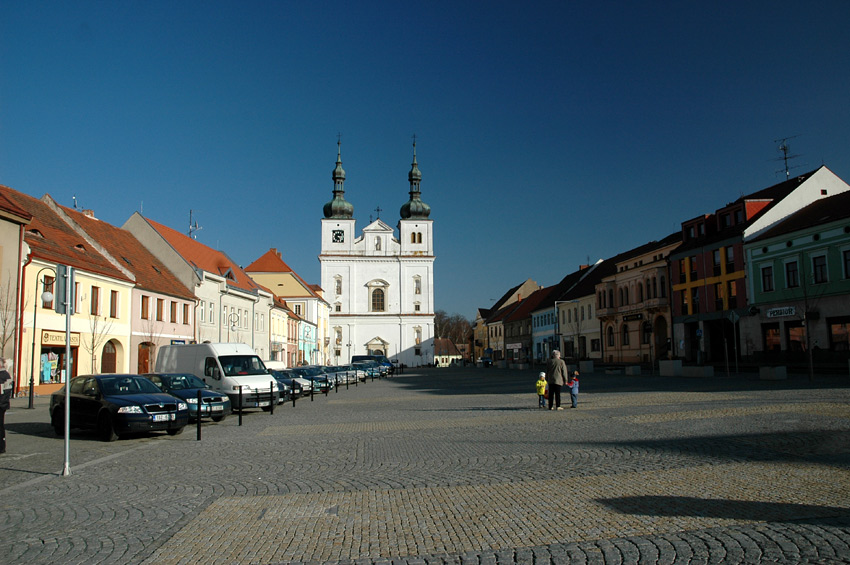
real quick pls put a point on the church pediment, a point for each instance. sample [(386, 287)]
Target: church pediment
[(378, 227)]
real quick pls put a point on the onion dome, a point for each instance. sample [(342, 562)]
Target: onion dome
[(339, 207), (414, 208)]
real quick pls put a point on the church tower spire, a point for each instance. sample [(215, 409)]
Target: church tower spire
[(414, 208), (338, 207)]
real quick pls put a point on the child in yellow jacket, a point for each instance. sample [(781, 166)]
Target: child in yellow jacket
[(541, 390)]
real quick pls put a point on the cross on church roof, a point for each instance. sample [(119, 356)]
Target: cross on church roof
[(378, 210)]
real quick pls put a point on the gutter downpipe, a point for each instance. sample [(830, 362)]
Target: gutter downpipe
[(20, 317)]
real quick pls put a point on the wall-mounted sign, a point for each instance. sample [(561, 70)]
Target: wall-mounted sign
[(782, 312), (632, 317), (55, 339)]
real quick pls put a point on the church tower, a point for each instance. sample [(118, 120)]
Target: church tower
[(380, 286)]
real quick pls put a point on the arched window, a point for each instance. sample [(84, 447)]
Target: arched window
[(419, 237), (610, 336), (625, 334), (378, 300), (663, 287), (417, 285), (338, 285), (640, 292), (412, 237), (621, 296)]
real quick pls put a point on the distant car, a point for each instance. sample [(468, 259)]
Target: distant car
[(486, 362), (185, 386), (370, 368), (288, 379), (116, 405), (316, 375), (387, 366)]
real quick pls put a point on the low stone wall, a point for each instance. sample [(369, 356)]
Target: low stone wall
[(700, 371), (670, 368), (779, 373), (633, 370)]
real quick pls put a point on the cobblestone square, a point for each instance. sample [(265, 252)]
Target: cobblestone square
[(453, 466)]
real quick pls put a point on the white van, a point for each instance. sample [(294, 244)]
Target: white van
[(226, 367)]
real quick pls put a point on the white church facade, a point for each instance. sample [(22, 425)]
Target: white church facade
[(379, 284)]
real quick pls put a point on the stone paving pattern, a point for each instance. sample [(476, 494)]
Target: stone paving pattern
[(453, 466)]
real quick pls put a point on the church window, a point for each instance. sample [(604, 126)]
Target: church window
[(338, 307), (416, 307), (377, 244), (419, 237), (412, 237), (338, 285), (417, 285), (417, 335), (338, 335), (378, 300)]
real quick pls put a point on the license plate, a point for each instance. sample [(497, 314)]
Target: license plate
[(163, 417), (217, 408), (263, 403)]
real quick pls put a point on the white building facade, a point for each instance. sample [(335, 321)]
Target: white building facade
[(380, 284)]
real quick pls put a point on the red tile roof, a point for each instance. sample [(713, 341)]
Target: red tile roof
[(205, 258), (54, 241), (150, 273), (12, 210), (271, 262)]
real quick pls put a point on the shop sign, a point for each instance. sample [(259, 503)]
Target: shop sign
[(513, 346), (50, 338), (781, 312), (632, 317)]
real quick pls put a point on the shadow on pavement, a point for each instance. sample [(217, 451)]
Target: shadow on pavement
[(723, 509)]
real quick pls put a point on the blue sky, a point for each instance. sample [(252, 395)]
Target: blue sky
[(548, 133)]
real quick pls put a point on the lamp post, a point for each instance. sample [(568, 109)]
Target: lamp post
[(232, 320), (46, 296)]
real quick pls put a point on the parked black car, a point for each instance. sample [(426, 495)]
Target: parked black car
[(285, 377), (185, 386), (116, 405)]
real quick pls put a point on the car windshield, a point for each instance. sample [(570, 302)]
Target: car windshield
[(124, 384), (234, 365), (182, 382)]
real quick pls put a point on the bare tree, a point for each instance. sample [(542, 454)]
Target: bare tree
[(7, 314), (100, 329)]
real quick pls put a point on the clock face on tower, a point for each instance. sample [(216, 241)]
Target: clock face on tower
[(338, 236)]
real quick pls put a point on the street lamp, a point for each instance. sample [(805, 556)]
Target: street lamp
[(232, 320), (46, 296)]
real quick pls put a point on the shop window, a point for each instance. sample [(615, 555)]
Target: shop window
[(771, 337), (796, 335), (838, 334)]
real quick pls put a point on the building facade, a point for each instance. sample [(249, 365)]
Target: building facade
[(380, 287)]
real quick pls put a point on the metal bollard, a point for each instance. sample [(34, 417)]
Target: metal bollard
[(348, 378), (312, 386), (240, 405), (272, 401), (199, 415)]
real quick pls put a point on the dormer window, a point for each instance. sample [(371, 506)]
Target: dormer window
[(80, 247)]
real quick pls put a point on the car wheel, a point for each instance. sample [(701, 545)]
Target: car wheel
[(267, 408), (175, 431), (105, 427), (218, 418), (57, 420)]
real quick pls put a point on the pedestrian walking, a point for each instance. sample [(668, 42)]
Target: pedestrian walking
[(5, 398), (541, 390), (573, 384), (556, 377)]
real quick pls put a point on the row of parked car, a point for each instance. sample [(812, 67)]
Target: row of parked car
[(122, 404)]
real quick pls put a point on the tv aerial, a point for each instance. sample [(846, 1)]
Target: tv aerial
[(193, 226), (785, 149)]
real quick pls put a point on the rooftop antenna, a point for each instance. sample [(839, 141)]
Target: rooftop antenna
[(75, 201), (193, 226), (786, 154)]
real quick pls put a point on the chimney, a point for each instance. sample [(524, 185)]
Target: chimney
[(89, 214)]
